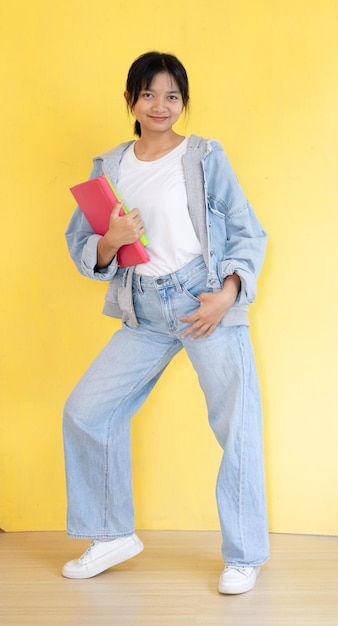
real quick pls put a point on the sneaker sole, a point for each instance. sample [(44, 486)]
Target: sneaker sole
[(105, 562)]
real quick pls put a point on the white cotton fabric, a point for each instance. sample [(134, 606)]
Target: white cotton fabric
[(157, 188)]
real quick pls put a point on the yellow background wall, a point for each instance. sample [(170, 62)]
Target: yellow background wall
[(264, 81)]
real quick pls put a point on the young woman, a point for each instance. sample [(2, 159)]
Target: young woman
[(206, 249)]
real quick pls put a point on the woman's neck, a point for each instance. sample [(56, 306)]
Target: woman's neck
[(152, 147)]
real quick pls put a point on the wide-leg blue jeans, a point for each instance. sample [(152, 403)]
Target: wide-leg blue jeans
[(98, 413)]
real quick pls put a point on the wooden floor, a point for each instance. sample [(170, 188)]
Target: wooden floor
[(172, 583)]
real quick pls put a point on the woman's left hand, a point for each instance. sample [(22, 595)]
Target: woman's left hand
[(214, 305)]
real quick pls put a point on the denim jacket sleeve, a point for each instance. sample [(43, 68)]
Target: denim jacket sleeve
[(82, 242), (236, 236)]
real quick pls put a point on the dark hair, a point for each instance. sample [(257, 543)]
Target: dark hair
[(143, 71)]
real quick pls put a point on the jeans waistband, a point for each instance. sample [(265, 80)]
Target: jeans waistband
[(175, 278)]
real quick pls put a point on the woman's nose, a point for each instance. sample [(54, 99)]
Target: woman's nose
[(158, 104)]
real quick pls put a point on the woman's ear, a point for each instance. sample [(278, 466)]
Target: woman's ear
[(127, 97)]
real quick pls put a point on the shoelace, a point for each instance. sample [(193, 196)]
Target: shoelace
[(241, 570), (91, 545)]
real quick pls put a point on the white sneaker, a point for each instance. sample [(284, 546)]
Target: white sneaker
[(238, 579), (101, 555)]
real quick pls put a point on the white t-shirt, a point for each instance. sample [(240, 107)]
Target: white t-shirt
[(157, 188)]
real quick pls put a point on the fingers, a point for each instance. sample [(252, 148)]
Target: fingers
[(117, 210), (201, 331), (126, 227), (197, 328), (136, 221)]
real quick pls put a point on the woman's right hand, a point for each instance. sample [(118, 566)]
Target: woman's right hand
[(126, 228), (122, 229)]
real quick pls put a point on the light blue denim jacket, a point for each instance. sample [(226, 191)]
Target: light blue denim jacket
[(231, 237)]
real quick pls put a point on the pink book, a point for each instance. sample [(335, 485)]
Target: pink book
[(96, 199)]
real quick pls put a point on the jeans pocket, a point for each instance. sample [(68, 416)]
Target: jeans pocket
[(194, 283), (192, 293)]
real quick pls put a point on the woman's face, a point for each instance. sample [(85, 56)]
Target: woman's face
[(159, 107)]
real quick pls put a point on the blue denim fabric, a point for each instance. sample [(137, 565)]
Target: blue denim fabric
[(231, 237), (98, 413)]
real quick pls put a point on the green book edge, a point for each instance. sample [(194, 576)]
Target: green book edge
[(143, 238)]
